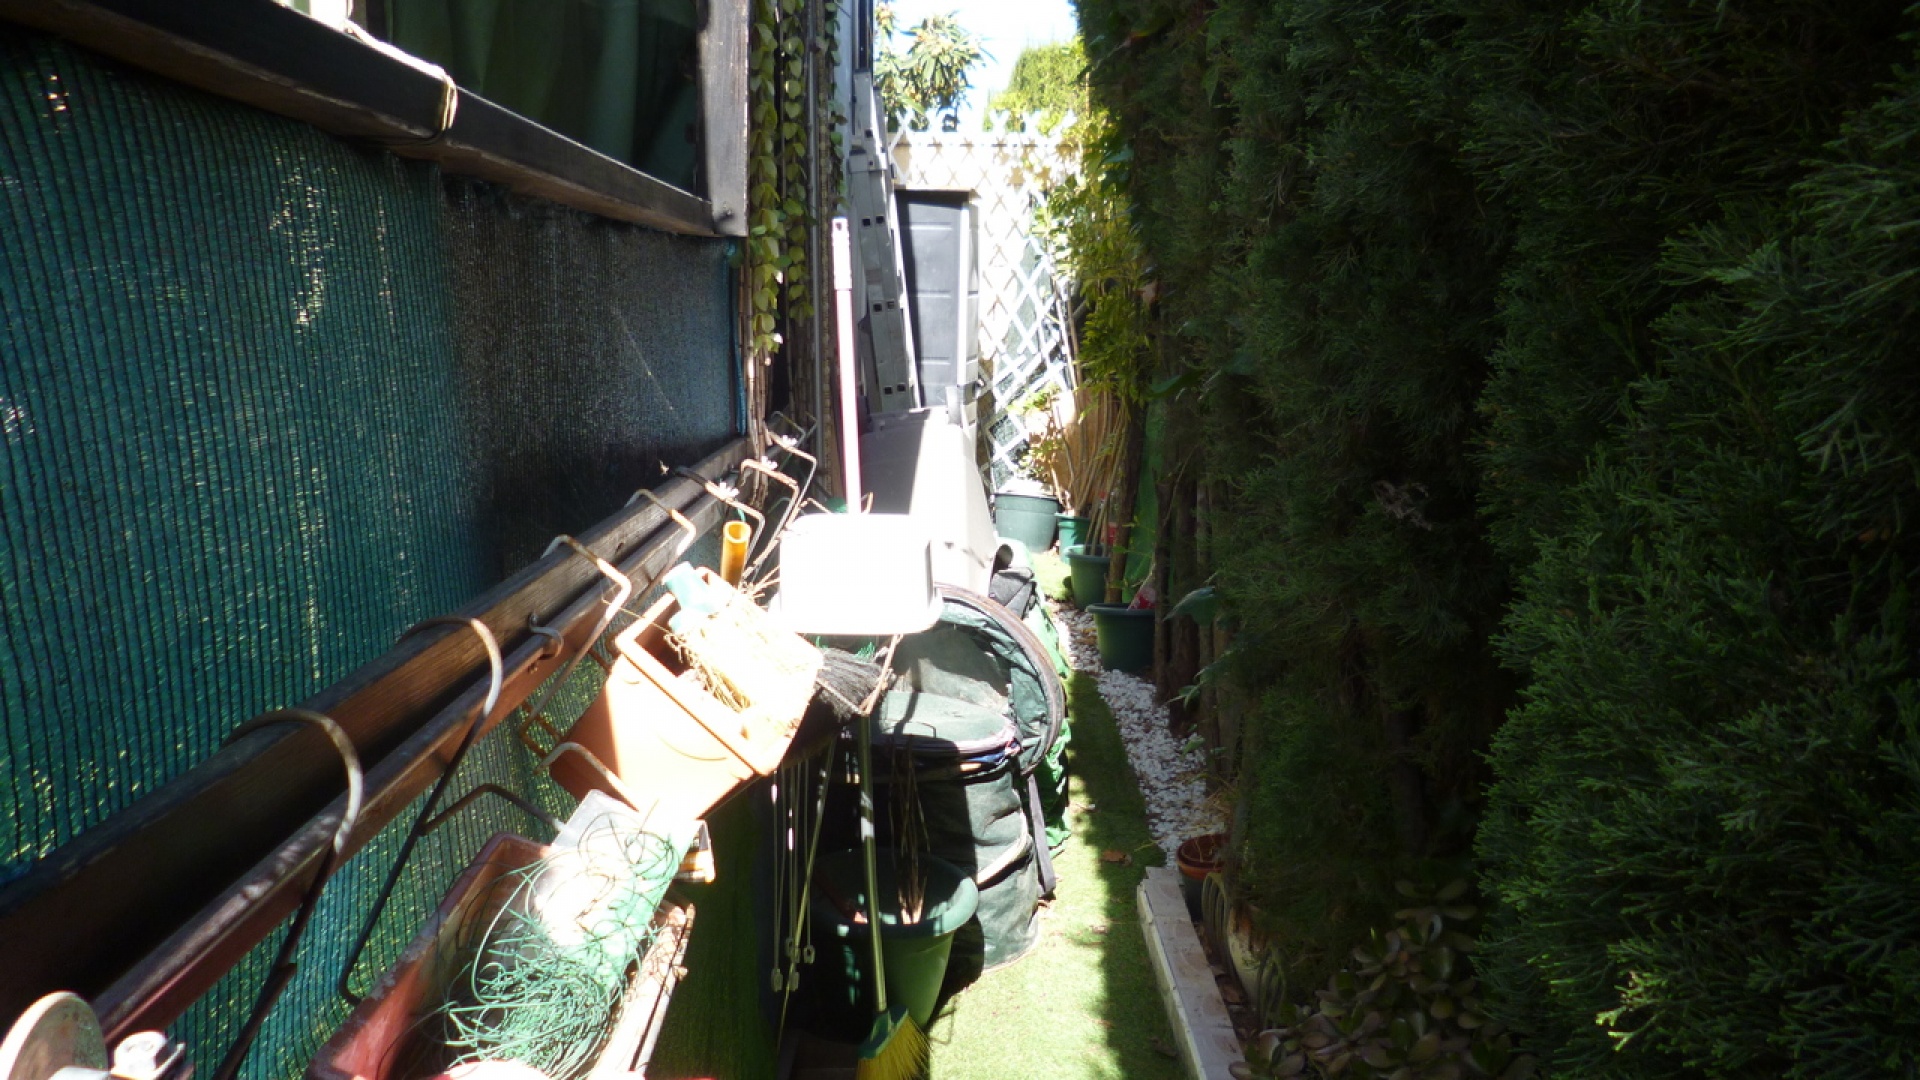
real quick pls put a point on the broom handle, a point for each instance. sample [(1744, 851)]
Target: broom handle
[(863, 742), (849, 363)]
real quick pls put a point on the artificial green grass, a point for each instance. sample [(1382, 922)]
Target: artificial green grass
[(1051, 574), (1084, 1003), (714, 1026)]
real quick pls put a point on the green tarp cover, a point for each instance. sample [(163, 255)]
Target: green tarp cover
[(977, 640), (1052, 773), (976, 819), (980, 668), (979, 652)]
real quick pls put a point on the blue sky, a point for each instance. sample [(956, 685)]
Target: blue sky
[(1008, 27)]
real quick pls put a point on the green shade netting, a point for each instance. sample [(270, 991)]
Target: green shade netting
[(267, 399)]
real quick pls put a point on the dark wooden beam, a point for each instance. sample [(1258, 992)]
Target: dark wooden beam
[(156, 990), (278, 59), (500, 145), (139, 913), (723, 107)]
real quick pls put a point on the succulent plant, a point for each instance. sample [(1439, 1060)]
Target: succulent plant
[(1406, 1008)]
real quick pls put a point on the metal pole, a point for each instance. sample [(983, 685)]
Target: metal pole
[(849, 362)]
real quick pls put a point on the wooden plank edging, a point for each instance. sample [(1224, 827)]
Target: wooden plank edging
[(1203, 1035)]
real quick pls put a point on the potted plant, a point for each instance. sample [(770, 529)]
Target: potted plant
[(1074, 438), (918, 919), (1125, 632), (1087, 566), (1125, 636), (1197, 857), (1026, 516)]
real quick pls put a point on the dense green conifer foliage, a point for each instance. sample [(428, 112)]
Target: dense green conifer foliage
[(1707, 831), (1048, 82), (1610, 129), (1330, 276), (1554, 365)]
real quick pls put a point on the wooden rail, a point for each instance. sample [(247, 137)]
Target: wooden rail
[(278, 59)]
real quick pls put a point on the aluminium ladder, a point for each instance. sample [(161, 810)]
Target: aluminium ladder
[(892, 382)]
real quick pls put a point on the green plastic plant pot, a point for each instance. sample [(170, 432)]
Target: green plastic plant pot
[(1088, 573), (1071, 530), (915, 953), (1125, 635), (1026, 518)]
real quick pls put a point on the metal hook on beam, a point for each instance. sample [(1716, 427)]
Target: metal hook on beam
[(623, 590), (423, 821), (692, 531), (282, 971), (766, 468), (556, 641), (599, 768), (473, 794)]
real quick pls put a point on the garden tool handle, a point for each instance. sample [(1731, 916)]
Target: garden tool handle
[(863, 743)]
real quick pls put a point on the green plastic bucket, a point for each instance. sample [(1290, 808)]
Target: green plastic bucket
[(1026, 518), (1072, 530), (915, 953), (1125, 635), (1088, 574)]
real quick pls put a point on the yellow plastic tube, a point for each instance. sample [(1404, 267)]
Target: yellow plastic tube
[(733, 550)]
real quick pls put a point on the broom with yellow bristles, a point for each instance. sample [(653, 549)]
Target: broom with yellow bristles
[(896, 1049)]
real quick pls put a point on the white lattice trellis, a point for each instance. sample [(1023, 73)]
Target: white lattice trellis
[(1023, 316)]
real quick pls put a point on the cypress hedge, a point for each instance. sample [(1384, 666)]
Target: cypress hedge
[(1707, 830), (1331, 274), (1555, 363)]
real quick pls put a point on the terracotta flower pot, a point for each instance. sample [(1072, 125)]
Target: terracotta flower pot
[(1197, 857), (383, 1036)]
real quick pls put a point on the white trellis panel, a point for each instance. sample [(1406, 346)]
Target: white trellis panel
[(1023, 314)]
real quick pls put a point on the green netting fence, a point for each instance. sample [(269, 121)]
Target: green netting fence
[(267, 398)]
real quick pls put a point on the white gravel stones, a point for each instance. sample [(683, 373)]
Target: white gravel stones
[(1171, 774)]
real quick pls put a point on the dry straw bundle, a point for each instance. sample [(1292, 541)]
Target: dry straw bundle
[(739, 654), (1078, 448)]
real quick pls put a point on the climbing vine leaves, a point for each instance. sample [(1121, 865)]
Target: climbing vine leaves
[(1087, 224), (778, 275)]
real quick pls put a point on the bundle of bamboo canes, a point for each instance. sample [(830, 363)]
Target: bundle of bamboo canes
[(1078, 449)]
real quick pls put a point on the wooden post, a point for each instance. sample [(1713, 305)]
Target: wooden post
[(723, 112)]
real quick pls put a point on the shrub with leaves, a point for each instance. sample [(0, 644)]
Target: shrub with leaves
[(929, 80), (1576, 335), (1407, 1008), (1048, 83), (1610, 129), (1329, 275), (778, 278), (1094, 241)]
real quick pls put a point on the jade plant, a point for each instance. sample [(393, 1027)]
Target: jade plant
[(1406, 1008)]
